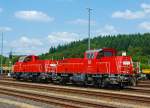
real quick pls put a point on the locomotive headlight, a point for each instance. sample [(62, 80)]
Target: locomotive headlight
[(126, 62), (53, 65)]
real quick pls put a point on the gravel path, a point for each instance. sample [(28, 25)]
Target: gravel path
[(23, 103), (3, 105)]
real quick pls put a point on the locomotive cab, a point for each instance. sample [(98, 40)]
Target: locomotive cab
[(28, 68), (30, 58), (97, 54)]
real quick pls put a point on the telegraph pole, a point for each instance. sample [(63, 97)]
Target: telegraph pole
[(2, 54), (89, 28)]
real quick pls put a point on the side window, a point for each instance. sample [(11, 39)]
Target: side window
[(100, 54), (108, 53)]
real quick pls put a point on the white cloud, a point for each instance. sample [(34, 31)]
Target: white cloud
[(26, 42), (107, 30), (128, 14), (57, 38), (33, 16), (146, 7), (25, 45), (5, 29), (145, 25), (81, 22)]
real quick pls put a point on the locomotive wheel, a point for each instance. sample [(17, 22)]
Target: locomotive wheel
[(103, 84), (82, 84), (63, 81), (121, 85), (17, 78), (148, 76), (43, 80), (133, 81), (89, 81), (98, 83), (35, 79)]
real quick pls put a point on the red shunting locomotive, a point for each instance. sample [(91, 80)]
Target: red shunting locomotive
[(98, 67)]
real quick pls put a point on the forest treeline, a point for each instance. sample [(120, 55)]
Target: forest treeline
[(136, 45)]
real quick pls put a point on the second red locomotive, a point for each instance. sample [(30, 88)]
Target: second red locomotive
[(98, 67)]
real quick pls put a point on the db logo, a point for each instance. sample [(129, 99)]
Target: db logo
[(89, 61)]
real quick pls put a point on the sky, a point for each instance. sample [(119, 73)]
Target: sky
[(33, 26)]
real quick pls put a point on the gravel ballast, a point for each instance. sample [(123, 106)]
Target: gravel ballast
[(15, 102)]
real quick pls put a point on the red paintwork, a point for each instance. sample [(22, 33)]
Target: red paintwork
[(102, 65)]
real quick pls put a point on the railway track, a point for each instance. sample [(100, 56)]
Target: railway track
[(138, 89), (52, 99), (49, 99), (144, 85), (82, 91), (145, 82)]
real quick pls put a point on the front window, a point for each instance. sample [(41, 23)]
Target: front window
[(90, 55), (25, 59), (21, 59)]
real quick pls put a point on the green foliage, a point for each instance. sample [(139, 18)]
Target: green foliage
[(9, 61), (136, 45), (145, 66)]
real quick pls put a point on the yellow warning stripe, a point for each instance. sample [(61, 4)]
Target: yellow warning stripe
[(146, 71)]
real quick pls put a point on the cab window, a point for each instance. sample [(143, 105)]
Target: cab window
[(107, 53), (104, 53), (90, 55), (21, 59), (27, 59), (100, 54)]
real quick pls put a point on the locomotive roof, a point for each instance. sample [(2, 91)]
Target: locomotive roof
[(97, 50)]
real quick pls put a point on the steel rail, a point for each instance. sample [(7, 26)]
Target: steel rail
[(54, 100), (79, 91)]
